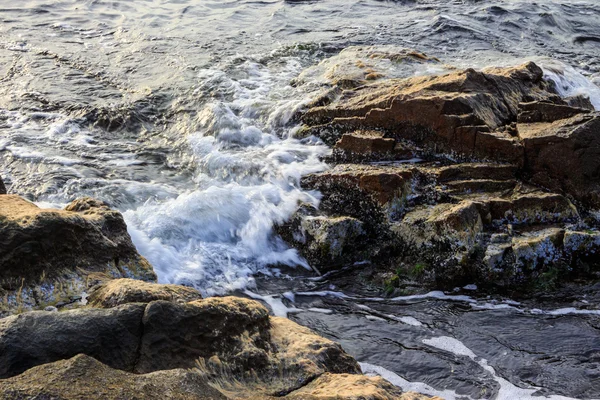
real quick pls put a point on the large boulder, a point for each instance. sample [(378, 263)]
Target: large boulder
[(49, 257), (214, 348), (38, 337)]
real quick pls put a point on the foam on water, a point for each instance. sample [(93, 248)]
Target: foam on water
[(219, 234), (507, 390)]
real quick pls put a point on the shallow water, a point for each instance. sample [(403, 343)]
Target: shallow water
[(179, 113)]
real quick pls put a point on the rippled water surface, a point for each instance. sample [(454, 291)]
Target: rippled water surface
[(179, 113)]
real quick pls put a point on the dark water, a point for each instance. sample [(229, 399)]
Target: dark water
[(179, 113)]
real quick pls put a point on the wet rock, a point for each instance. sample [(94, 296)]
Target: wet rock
[(325, 242), (38, 337), (2, 187), (122, 291), (83, 377), (353, 387), (369, 146), (50, 257), (533, 207), (176, 335), (564, 155), (229, 342)]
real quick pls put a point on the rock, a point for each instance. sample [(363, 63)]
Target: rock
[(49, 256), (539, 111), (176, 335), (565, 155), (352, 387), (325, 242), (369, 146), (458, 112), (83, 377), (229, 343), (499, 114), (122, 291), (2, 187), (533, 207), (448, 226), (38, 337), (358, 65)]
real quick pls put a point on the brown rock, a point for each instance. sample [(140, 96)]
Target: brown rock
[(565, 155), (48, 256), (539, 111), (83, 377), (176, 335), (458, 112), (352, 387), (122, 291)]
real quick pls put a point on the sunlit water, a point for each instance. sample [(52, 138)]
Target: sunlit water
[(180, 113)]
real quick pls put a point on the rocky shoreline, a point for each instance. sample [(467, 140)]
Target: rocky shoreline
[(464, 177), (437, 181), (104, 335)]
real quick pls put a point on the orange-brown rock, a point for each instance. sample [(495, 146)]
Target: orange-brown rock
[(122, 291), (49, 257)]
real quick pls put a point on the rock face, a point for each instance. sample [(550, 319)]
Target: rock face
[(214, 348), (481, 176), (49, 257), (123, 291), (2, 187), (83, 377)]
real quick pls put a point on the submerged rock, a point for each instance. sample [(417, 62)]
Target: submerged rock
[(50, 257)]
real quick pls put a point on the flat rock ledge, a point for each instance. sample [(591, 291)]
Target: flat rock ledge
[(216, 348), (450, 178)]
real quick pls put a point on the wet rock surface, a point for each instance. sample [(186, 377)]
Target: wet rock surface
[(49, 257), (462, 177), (214, 348)]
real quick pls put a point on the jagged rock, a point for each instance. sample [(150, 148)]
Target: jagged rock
[(458, 112), (453, 226), (38, 337), (353, 387), (2, 187), (48, 257), (122, 291), (500, 114), (369, 146), (539, 111), (565, 155), (83, 377)]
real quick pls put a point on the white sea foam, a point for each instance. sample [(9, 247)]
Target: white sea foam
[(407, 386), (569, 82), (507, 390)]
